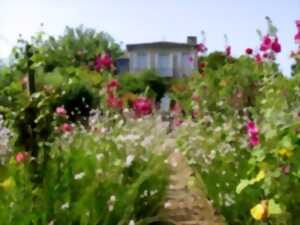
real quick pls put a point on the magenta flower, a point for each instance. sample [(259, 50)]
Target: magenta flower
[(228, 51), (61, 111), (298, 25), (21, 156), (297, 37), (201, 48), (103, 62), (254, 140), (252, 128), (276, 47), (252, 131), (142, 106), (266, 44), (249, 51), (258, 58)]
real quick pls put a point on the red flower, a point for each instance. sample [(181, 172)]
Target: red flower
[(113, 84), (66, 128), (21, 156), (142, 106), (276, 47), (114, 102), (103, 62), (249, 51)]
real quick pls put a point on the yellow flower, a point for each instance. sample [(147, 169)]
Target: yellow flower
[(260, 211), (261, 175), (284, 152), (8, 184)]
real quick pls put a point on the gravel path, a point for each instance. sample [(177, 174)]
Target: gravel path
[(187, 204)]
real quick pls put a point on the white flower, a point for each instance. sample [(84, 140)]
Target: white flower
[(79, 176), (65, 206), (167, 205), (129, 160), (131, 222), (112, 198), (99, 156), (110, 208)]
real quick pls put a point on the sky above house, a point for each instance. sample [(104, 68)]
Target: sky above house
[(136, 21)]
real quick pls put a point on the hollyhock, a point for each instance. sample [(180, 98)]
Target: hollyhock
[(254, 140), (266, 44), (103, 62), (114, 102), (249, 51), (201, 48), (66, 128), (276, 47), (252, 131), (228, 51), (298, 24), (61, 111), (21, 156), (202, 65), (113, 84), (251, 128), (142, 106), (258, 58), (297, 37)]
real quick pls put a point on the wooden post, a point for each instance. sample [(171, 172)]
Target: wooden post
[(30, 71)]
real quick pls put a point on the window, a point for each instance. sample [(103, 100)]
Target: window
[(187, 63), (141, 61), (163, 64)]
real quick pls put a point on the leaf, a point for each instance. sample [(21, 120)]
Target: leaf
[(242, 185), (274, 208)]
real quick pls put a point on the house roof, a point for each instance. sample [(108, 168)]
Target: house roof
[(160, 44)]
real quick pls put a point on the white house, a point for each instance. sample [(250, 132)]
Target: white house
[(168, 59)]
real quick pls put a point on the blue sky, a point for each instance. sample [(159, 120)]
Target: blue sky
[(133, 21)]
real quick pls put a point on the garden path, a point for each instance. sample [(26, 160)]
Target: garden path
[(187, 203)]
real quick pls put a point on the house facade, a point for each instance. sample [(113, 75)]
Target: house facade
[(168, 59)]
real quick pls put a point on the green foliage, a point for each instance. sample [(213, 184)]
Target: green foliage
[(87, 180), (156, 85)]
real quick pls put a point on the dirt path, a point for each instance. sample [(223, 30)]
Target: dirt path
[(187, 204)]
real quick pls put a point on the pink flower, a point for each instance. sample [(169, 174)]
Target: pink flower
[(276, 47), (177, 110), (254, 140), (297, 37), (103, 62), (196, 98), (114, 102), (252, 131), (142, 106), (61, 111), (249, 51), (66, 128), (228, 51), (252, 128), (21, 156), (201, 48)]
